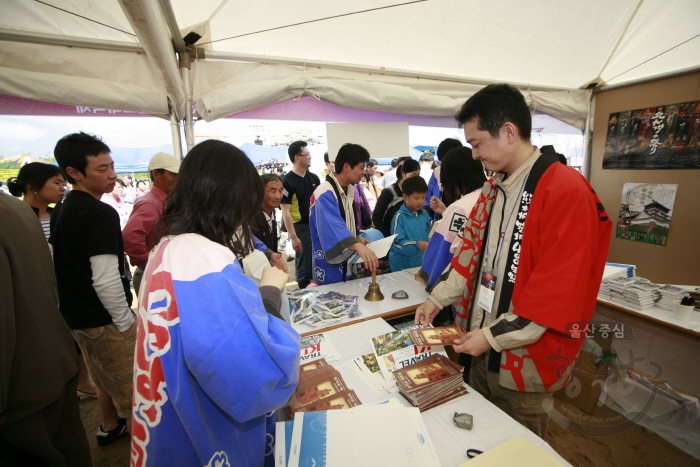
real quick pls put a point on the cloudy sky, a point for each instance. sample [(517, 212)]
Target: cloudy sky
[(38, 135)]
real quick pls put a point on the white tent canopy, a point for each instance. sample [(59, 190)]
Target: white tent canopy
[(420, 57)]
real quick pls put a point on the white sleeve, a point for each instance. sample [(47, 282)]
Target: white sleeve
[(109, 289)]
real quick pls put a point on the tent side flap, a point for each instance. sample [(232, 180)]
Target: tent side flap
[(77, 76)]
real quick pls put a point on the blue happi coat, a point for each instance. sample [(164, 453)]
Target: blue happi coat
[(410, 228), (447, 237), (330, 235), (211, 366)]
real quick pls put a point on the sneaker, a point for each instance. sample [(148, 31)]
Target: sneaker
[(291, 258), (108, 437)]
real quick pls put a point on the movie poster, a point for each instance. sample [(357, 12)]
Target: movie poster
[(663, 137), (645, 213)]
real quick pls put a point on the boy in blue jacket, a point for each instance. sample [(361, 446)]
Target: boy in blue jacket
[(411, 224)]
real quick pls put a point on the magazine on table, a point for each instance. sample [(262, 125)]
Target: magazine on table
[(317, 346), (396, 350)]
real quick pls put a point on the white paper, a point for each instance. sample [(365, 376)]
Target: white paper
[(254, 263), (380, 248), (387, 435)]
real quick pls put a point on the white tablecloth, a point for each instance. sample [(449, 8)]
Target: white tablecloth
[(491, 425)]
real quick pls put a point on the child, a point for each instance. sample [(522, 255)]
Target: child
[(411, 224)]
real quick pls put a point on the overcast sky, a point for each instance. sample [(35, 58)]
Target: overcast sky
[(38, 135)]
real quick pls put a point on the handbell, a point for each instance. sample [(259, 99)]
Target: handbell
[(373, 293)]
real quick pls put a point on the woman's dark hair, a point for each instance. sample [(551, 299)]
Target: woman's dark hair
[(446, 145), (410, 165), (460, 174), (32, 176), (217, 192)]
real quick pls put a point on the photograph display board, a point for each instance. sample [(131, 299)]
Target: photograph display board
[(662, 137), (645, 213)]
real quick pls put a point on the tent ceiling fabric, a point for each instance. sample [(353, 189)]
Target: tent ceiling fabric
[(550, 49), (225, 88)]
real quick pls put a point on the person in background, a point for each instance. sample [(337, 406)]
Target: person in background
[(40, 184), (330, 166), (362, 206), (390, 200), (379, 177), (138, 232), (462, 178), (391, 176), (426, 166), (212, 362), (434, 185), (532, 258), (129, 189), (39, 414), (371, 184), (43, 184), (411, 224), (115, 200), (93, 291), (141, 189), (264, 222), (299, 184), (334, 233)]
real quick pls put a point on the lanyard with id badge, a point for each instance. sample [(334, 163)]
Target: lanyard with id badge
[(489, 274)]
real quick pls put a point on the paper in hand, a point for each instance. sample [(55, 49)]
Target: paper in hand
[(380, 248)]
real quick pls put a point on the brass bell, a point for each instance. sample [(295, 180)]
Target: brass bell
[(373, 293)]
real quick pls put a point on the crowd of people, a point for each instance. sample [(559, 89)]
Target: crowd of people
[(195, 375)]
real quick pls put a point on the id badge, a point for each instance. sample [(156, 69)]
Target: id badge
[(487, 289)]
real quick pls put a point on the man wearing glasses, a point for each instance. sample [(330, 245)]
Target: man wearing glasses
[(298, 186)]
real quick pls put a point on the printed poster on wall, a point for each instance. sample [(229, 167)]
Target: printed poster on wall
[(645, 213), (662, 137)]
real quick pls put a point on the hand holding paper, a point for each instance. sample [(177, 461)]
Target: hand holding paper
[(380, 248)]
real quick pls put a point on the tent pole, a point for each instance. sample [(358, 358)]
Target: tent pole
[(189, 126), (588, 143), (175, 129)]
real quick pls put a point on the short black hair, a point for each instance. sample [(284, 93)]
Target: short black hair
[(352, 154), (446, 145), (372, 162), (73, 150), (414, 185), (394, 163), (295, 148), (267, 178), (495, 105), (217, 192), (32, 176), (460, 174), (409, 165), (325, 157), (427, 157), (562, 159)]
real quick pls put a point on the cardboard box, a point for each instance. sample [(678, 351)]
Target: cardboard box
[(587, 377)]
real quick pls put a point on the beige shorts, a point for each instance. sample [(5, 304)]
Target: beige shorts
[(109, 358)]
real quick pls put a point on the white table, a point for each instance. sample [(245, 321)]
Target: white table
[(660, 316), (491, 425), (387, 309)]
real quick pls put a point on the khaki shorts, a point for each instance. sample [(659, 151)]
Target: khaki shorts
[(109, 358)]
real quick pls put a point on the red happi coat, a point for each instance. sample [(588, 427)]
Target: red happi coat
[(560, 265)]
